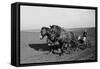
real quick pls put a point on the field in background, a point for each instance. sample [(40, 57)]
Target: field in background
[(33, 50)]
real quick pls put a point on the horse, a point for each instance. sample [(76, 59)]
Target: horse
[(56, 30), (65, 39), (45, 31)]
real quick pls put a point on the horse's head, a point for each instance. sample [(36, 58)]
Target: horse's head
[(55, 29), (43, 32)]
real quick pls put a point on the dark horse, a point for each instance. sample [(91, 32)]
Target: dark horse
[(65, 39), (45, 31), (60, 36)]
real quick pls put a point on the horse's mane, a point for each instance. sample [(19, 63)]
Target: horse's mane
[(58, 27), (45, 28)]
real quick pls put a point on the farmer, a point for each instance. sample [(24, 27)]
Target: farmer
[(82, 39)]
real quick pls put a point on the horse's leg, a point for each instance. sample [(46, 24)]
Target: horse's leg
[(74, 45), (68, 49), (51, 50), (50, 44), (61, 49)]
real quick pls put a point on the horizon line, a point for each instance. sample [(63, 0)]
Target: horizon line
[(62, 27)]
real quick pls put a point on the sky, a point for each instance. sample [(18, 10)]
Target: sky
[(33, 17)]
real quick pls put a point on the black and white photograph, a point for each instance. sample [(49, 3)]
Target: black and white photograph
[(55, 34)]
